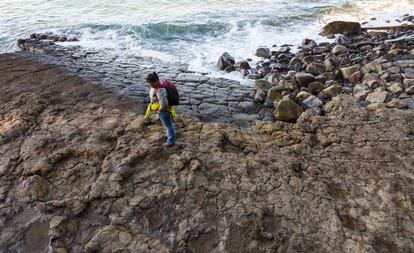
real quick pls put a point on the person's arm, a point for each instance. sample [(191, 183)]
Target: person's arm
[(162, 99)]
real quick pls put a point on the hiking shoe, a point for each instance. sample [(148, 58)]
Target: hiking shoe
[(168, 145)]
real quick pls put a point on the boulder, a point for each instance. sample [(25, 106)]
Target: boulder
[(330, 63), (410, 90), (347, 72), (377, 97), (312, 102), (409, 102), (225, 61), (315, 87), (370, 77), (315, 69), (274, 93), (339, 49), (303, 95), (408, 81), (304, 79), (374, 66), (309, 43), (375, 106), (361, 94), (396, 103), (243, 65), (333, 90), (263, 85), (308, 59), (260, 96), (342, 40), (263, 52), (287, 110), (395, 52), (355, 77), (341, 27), (230, 69), (320, 50), (395, 88)]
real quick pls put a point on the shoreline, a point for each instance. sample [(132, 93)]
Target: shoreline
[(81, 172), (376, 67)]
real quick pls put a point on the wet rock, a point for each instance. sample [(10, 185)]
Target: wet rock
[(287, 110), (230, 69), (225, 61), (309, 43), (304, 79), (342, 40), (342, 27), (263, 52), (339, 49), (263, 85), (243, 65), (320, 50)]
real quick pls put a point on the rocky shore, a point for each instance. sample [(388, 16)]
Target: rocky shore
[(81, 172), (204, 97), (376, 67)]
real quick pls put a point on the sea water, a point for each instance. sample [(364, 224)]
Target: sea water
[(192, 32)]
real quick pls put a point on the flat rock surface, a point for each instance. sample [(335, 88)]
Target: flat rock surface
[(80, 172), (198, 92)]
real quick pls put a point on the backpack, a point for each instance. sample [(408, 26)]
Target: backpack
[(172, 93)]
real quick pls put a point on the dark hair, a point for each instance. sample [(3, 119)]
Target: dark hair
[(152, 78)]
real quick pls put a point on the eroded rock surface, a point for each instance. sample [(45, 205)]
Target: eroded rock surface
[(80, 172)]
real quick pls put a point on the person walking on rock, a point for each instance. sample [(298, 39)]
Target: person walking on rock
[(160, 103)]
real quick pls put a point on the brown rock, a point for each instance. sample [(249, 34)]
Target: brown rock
[(355, 77), (339, 49), (395, 52), (287, 110), (315, 69), (304, 79), (315, 87), (377, 97), (347, 72), (333, 90), (342, 27)]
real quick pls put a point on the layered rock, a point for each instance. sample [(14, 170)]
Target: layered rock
[(81, 172)]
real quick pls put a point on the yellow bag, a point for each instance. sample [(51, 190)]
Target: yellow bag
[(155, 107)]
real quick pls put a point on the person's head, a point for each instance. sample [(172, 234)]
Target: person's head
[(153, 80)]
